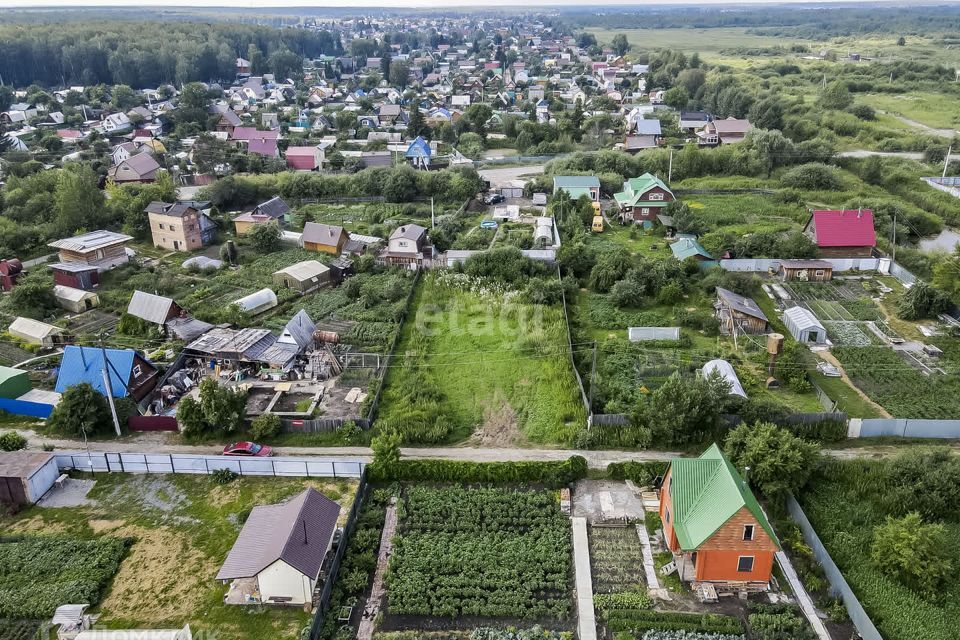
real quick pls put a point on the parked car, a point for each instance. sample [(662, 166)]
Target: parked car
[(247, 449), (493, 198)]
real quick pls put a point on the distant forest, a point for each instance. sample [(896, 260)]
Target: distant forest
[(801, 21), (147, 54)]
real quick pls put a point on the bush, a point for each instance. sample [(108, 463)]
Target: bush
[(224, 475), (82, 410), (12, 441), (814, 176), (552, 474), (913, 553), (779, 461), (265, 426), (640, 473)]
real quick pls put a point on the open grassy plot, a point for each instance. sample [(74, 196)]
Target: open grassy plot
[(182, 527), (490, 553), (935, 110), (845, 503), (703, 41), (474, 358)]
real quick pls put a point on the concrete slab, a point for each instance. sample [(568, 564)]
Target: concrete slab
[(73, 493), (649, 568), (597, 500), (586, 622)]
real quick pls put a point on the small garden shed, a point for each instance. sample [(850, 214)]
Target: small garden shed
[(25, 476), (35, 332)]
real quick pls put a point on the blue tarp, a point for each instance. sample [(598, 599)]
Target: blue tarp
[(85, 364)]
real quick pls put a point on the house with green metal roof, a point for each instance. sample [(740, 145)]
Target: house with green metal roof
[(688, 247), (714, 525), (577, 186), (642, 199)]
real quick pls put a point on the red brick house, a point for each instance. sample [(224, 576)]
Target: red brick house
[(714, 526)]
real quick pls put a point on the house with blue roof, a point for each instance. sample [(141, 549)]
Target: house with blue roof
[(131, 375), (419, 153)]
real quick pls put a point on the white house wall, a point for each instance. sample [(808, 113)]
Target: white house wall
[(282, 580)]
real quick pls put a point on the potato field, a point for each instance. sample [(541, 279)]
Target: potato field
[(492, 553)]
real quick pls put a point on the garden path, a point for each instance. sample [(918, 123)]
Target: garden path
[(586, 623), (378, 591)]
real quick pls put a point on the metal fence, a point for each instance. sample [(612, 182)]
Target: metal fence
[(573, 361), (321, 610), (764, 265), (320, 425), (904, 428), (100, 462), (838, 584)]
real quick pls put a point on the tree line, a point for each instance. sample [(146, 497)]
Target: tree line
[(147, 54)]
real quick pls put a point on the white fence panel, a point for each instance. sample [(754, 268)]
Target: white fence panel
[(99, 462)]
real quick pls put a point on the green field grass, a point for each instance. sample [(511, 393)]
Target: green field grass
[(936, 110), (703, 41), (498, 365)]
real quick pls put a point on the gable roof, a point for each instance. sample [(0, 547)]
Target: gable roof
[(149, 307), (299, 330), (274, 207), (706, 492), (297, 532), (649, 127), (687, 248), (847, 228), (408, 231), (572, 182), (85, 364), (325, 234), (740, 303), (90, 241), (176, 210)]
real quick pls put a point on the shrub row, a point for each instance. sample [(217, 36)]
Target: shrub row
[(641, 473), (636, 621), (554, 474)]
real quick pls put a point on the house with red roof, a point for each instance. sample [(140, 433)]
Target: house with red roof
[(843, 234)]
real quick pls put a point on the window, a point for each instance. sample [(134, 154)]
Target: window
[(173, 228), (161, 226), (136, 371), (818, 273), (748, 532), (99, 254), (745, 564), (666, 515), (656, 196), (645, 210)]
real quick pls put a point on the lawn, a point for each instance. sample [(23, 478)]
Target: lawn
[(490, 553), (844, 503), (933, 109), (182, 527), (703, 41), (475, 359)]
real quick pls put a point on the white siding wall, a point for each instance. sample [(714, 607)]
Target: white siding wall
[(280, 579), (42, 480)]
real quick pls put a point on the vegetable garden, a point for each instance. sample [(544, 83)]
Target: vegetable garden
[(39, 573), (616, 559), (490, 553)]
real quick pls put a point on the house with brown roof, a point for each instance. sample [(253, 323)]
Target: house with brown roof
[(729, 131), (324, 238), (278, 554), (141, 167), (273, 210), (410, 246)]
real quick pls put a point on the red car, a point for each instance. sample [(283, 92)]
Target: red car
[(246, 448)]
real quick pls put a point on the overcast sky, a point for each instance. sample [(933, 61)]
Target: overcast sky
[(446, 4)]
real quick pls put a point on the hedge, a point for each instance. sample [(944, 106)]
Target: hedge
[(554, 474), (635, 621), (641, 473)]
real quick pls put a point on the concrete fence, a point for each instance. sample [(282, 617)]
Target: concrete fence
[(838, 584), (99, 462), (763, 265)]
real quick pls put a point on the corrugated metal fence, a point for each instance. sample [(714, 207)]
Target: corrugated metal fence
[(838, 584), (321, 611), (99, 462), (904, 428)]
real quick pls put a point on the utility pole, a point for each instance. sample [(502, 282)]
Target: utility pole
[(946, 161), (109, 387), (433, 221), (670, 168)]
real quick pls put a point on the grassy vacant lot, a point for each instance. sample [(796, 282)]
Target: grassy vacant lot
[(495, 366), (182, 526), (932, 109), (845, 503)]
